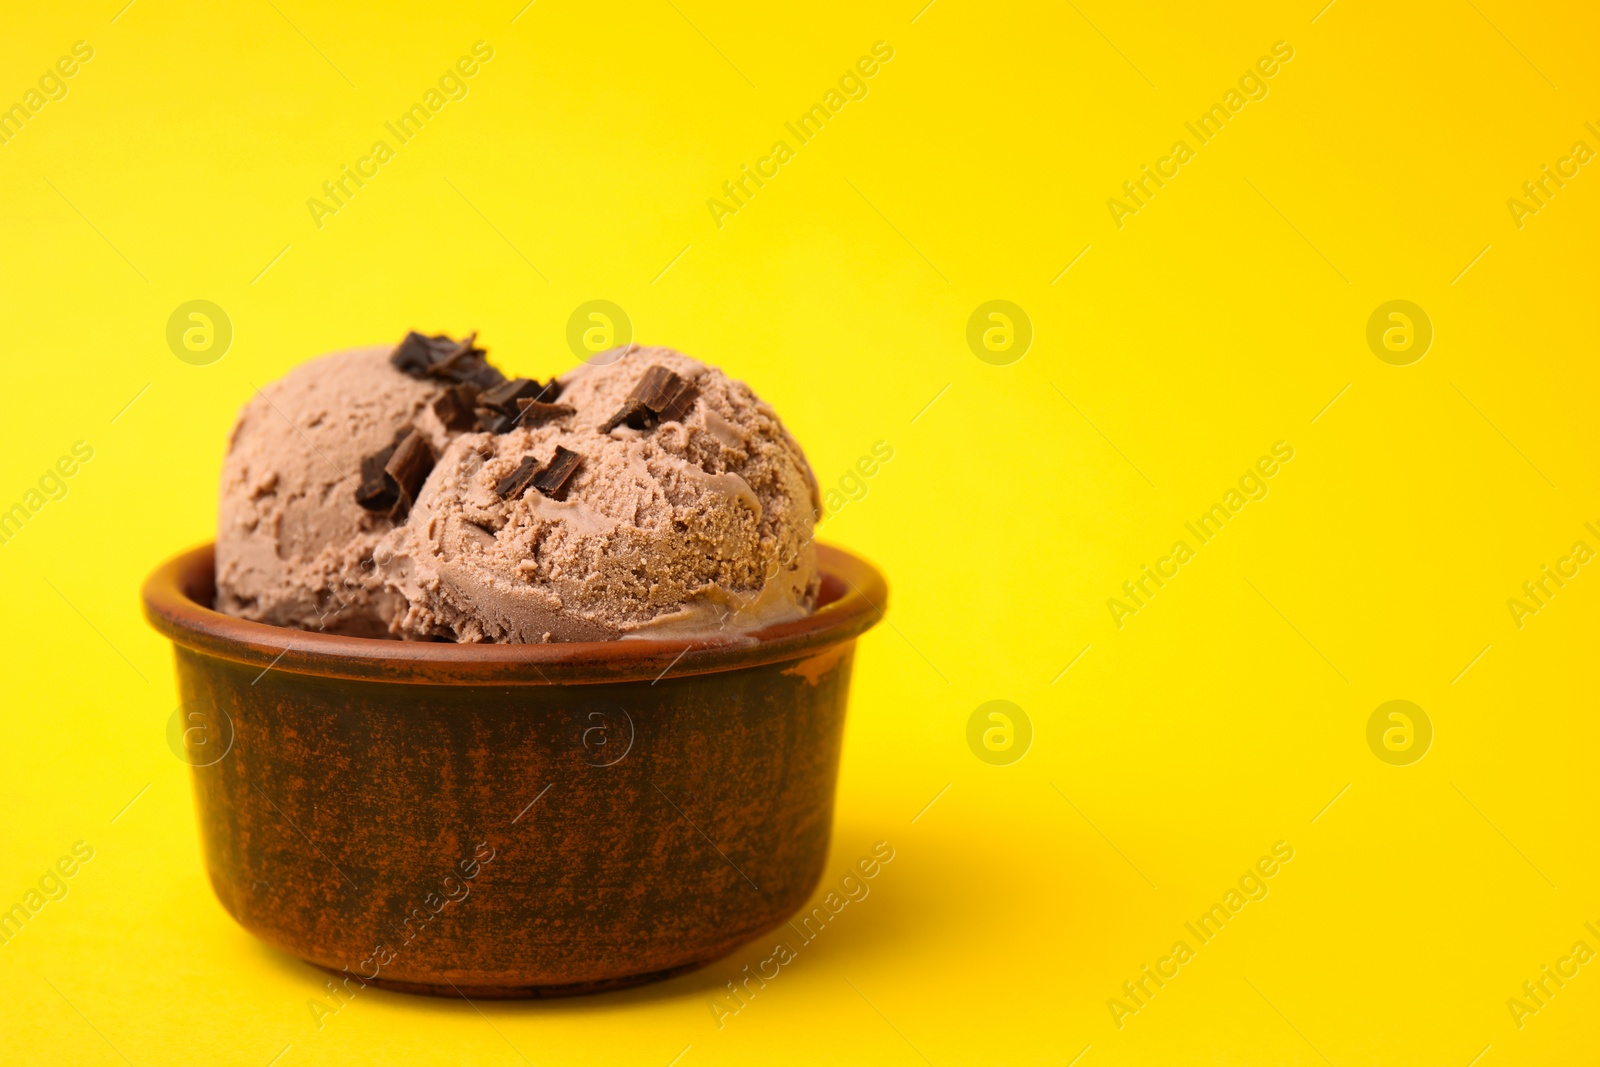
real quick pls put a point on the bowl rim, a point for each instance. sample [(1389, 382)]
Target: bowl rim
[(177, 603)]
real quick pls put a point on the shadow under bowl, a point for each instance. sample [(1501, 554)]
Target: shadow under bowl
[(503, 820)]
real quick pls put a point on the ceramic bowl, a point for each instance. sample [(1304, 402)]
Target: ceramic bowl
[(503, 820)]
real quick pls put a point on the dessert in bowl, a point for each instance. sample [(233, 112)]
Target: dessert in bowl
[(512, 688)]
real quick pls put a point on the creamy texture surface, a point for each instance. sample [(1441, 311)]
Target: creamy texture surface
[(293, 546), (699, 526)]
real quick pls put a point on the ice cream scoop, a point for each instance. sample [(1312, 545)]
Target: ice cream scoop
[(295, 535), (651, 495)]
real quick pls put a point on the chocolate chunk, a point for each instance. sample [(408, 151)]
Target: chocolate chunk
[(633, 413), (514, 483), (377, 492), (537, 412), (440, 357), (681, 404), (454, 407), (494, 421), (554, 480), (450, 360), (660, 396), (662, 392), (502, 407), (409, 466), (503, 398), (480, 374), (418, 355), (414, 355)]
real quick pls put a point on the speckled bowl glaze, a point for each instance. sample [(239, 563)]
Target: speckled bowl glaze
[(511, 820)]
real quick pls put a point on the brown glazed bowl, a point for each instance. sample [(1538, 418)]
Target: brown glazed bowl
[(511, 820)]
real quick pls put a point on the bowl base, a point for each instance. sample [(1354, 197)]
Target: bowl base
[(524, 992)]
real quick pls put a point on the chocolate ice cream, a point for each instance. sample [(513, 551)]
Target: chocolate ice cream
[(415, 492), (298, 519), (690, 517)]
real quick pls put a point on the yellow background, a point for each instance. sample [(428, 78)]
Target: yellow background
[(1223, 317)]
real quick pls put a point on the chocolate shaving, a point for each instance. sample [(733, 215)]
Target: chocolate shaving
[(441, 357), (414, 355), (537, 412), (554, 480), (660, 396), (377, 491), (679, 406), (502, 408), (409, 466), (632, 412), (503, 397), (455, 360), (454, 407), (665, 393), (494, 421), (514, 483)]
